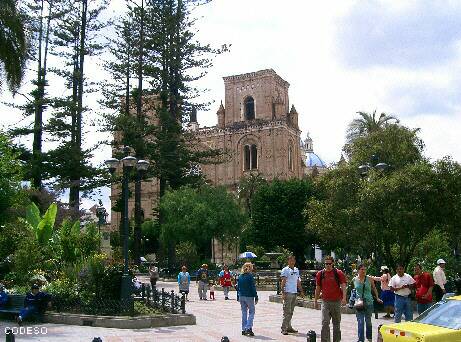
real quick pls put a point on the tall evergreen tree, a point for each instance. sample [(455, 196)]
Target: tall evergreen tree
[(13, 54), (40, 18), (76, 37)]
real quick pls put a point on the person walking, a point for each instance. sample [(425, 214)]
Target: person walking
[(291, 282), (401, 284), (202, 280), (248, 298), (226, 281), (387, 296), (153, 276), (363, 285), (424, 285), (184, 281), (439, 280), (330, 283)]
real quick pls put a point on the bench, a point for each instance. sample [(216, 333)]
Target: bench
[(14, 305)]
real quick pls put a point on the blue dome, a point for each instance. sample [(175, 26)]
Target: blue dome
[(314, 160)]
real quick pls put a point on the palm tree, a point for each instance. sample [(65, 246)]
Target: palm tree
[(13, 45), (368, 123)]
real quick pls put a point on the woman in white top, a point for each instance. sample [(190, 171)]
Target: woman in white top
[(387, 296)]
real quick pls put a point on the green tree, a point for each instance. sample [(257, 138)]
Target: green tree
[(277, 216), (76, 37), (368, 123), (198, 215), (386, 214), (247, 188), (11, 171), (13, 54)]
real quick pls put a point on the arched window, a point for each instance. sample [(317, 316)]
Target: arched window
[(250, 157), (249, 108), (290, 157)]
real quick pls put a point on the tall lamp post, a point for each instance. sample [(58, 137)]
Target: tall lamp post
[(101, 214), (128, 163)]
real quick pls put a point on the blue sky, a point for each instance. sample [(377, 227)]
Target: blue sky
[(340, 57)]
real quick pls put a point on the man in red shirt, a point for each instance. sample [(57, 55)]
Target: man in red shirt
[(331, 283), (424, 284)]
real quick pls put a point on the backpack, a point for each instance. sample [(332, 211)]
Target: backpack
[(335, 272)]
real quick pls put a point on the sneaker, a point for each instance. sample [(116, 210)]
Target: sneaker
[(284, 332), (226, 298), (244, 332), (291, 330), (250, 332), (19, 320)]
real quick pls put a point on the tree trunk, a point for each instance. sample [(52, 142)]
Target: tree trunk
[(74, 201)]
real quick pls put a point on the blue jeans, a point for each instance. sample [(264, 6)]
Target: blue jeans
[(364, 320), (248, 312), (28, 311), (403, 306), (422, 307)]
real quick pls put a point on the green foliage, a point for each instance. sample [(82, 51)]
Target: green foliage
[(186, 253), (197, 215), (367, 124), (13, 54), (277, 216), (395, 145), (42, 227), (11, 171), (433, 246), (388, 214)]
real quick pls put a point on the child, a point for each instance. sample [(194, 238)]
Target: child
[(212, 288)]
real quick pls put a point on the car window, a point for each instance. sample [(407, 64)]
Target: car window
[(443, 314)]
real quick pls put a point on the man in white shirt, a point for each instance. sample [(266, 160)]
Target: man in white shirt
[(439, 280), (291, 282), (401, 284)]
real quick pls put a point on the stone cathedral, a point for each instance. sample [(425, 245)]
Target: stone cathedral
[(258, 132), (256, 128)]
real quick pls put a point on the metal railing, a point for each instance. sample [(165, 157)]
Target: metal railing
[(166, 301)]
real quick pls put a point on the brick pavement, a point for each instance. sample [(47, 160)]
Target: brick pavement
[(214, 319)]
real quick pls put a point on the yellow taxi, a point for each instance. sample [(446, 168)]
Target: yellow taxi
[(440, 323)]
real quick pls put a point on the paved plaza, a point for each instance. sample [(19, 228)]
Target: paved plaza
[(214, 319)]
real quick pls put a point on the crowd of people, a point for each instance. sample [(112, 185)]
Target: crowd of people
[(396, 294)]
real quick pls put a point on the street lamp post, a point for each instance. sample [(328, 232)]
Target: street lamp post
[(128, 163), (101, 214)]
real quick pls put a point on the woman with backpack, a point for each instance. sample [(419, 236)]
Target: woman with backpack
[(363, 285)]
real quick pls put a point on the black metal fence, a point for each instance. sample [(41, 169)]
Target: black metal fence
[(165, 301), (161, 300)]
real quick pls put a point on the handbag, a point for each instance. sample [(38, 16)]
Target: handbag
[(359, 304)]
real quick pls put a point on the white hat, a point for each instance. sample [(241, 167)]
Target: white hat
[(384, 268), (441, 261)]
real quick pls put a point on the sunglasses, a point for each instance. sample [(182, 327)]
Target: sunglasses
[(328, 263)]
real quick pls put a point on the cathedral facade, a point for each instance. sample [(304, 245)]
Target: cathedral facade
[(257, 131)]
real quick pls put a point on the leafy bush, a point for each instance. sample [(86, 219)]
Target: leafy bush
[(434, 246), (186, 253)]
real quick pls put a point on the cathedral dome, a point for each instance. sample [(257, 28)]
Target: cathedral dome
[(313, 159)]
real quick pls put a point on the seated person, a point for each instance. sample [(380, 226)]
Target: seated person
[(3, 296), (35, 303)]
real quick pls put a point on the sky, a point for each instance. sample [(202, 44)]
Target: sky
[(398, 57)]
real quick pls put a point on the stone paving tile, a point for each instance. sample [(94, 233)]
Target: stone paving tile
[(214, 319)]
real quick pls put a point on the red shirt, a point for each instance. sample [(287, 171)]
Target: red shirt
[(331, 291), (423, 283)]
